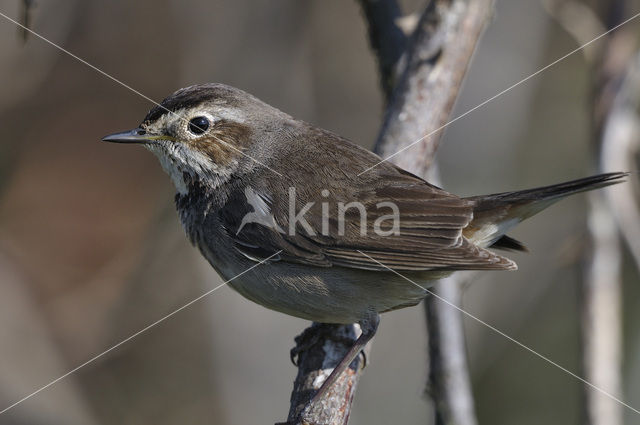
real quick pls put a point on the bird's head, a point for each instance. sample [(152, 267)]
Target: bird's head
[(204, 133)]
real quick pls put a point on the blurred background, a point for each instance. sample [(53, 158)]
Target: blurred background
[(91, 250)]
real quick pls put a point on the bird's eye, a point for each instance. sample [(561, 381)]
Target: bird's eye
[(198, 125)]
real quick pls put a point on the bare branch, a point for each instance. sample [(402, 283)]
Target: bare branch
[(600, 308), (619, 150), (449, 383), (613, 212), (27, 11), (616, 97), (439, 53), (387, 39), (436, 61), (318, 350)]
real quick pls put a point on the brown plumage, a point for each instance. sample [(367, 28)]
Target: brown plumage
[(236, 160)]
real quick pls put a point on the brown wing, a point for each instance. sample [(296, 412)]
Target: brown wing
[(429, 236)]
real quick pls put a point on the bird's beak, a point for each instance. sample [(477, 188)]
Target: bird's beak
[(137, 135)]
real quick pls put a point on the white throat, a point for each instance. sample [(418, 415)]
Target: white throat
[(179, 163)]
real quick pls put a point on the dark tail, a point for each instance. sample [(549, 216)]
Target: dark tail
[(494, 215)]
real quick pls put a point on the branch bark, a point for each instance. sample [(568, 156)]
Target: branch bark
[(431, 70), (449, 384), (439, 54), (441, 50), (319, 349), (387, 40)]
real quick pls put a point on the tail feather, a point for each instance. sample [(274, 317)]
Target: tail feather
[(507, 243), (494, 215)]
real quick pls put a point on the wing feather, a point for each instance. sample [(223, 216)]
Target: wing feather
[(429, 238)]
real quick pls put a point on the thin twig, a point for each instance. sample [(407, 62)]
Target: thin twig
[(27, 15)]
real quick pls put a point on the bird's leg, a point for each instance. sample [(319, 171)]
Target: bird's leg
[(368, 327)]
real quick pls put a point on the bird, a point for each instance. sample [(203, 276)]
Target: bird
[(307, 223)]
